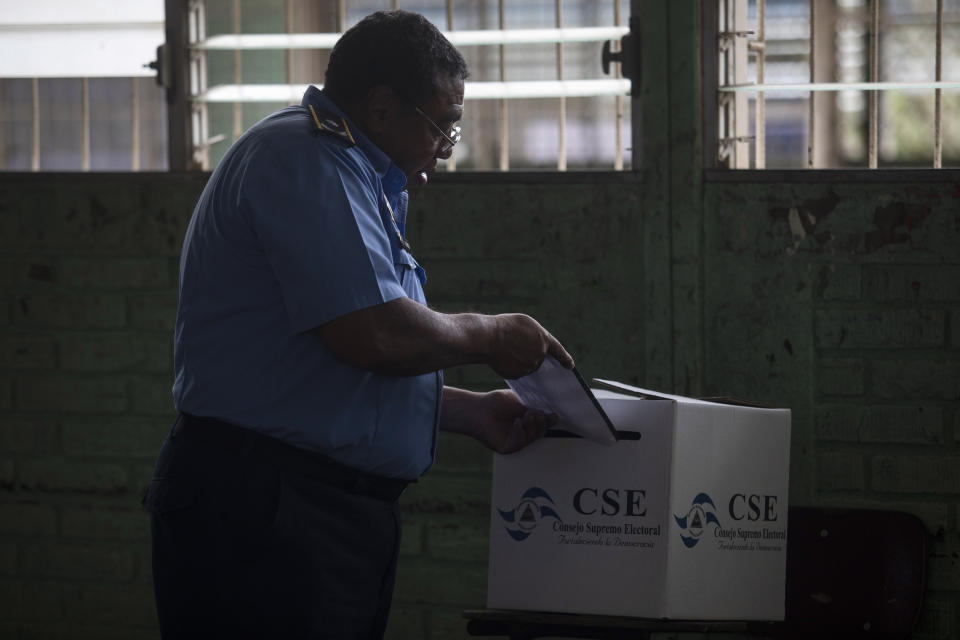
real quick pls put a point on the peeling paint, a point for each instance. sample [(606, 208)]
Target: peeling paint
[(821, 207), (894, 223), (802, 221), (796, 227)]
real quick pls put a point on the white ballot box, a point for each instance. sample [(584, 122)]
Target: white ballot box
[(684, 516)]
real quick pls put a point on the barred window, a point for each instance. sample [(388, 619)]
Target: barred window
[(75, 91), (536, 97), (838, 83)]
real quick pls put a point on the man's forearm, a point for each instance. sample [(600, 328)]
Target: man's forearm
[(459, 411), (497, 419), (402, 337)]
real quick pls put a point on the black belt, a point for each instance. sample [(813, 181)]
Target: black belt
[(224, 436)]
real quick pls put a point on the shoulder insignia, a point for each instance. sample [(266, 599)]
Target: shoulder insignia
[(331, 124)]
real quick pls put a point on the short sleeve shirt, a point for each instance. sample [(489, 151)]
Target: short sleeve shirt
[(292, 231)]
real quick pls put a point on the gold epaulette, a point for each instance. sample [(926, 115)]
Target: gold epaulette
[(331, 124)]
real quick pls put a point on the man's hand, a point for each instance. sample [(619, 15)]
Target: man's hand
[(404, 338), (497, 419), (520, 345)]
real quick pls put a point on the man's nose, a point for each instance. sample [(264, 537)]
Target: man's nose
[(442, 153)]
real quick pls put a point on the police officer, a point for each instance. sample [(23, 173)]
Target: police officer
[(308, 366)]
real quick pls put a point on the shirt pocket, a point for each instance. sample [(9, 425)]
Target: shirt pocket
[(411, 275)]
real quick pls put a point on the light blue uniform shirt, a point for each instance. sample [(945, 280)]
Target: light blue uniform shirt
[(291, 232)]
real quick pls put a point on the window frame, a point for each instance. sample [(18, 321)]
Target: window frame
[(713, 172), (176, 63), (76, 93)]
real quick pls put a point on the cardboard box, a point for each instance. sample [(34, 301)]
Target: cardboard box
[(687, 522)]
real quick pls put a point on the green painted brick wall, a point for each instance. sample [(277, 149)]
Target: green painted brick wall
[(870, 370), (851, 323), (88, 270)]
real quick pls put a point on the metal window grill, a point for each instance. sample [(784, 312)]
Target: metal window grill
[(108, 50), (134, 151), (736, 41), (501, 91)]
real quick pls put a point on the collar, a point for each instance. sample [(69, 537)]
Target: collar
[(390, 174)]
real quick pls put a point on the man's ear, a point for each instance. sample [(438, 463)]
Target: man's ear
[(380, 108)]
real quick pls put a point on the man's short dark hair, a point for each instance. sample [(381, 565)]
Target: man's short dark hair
[(400, 49)]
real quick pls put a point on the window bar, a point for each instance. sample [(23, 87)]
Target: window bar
[(341, 16), (202, 68), (938, 94), (811, 129), (723, 80), (723, 101), (237, 72), (504, 113), (288, 27), (134, 124), (180, 150), (452, 160), (84, 124), (618, 120), (759, 48), (463, 38), (562, 113), (874, 35), (835, 86), (35, 142), (741, 109), (493, 90), (199, 116), (733, 149), (3, 145)]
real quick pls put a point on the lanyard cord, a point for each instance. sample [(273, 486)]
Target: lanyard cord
[(345, 133), (396, 227)]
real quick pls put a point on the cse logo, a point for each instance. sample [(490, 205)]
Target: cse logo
[(610, 502), (753, 507), (692, 524)]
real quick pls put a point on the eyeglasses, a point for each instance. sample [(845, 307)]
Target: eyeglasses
[(449, 139)]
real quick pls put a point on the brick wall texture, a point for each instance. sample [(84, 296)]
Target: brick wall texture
[(861, 341), (88, 271), (861, 344)]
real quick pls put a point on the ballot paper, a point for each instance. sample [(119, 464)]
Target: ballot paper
[(555, 389)]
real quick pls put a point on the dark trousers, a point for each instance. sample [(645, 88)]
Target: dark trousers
[(252, 538)]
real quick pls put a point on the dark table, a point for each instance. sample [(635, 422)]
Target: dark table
[(524, 625)]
